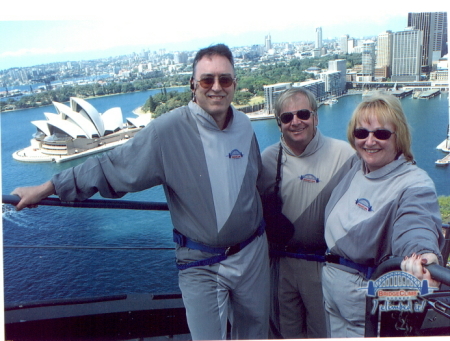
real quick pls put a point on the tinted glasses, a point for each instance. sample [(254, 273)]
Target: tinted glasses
[(225, 81), (380, 134), (302, 114)]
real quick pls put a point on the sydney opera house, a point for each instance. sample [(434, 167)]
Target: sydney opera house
[(78, 130)]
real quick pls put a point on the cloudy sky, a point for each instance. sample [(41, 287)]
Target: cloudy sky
[(36, 32)]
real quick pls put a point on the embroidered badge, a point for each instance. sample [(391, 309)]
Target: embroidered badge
[(235, 154), (364, 204), (309, 178)]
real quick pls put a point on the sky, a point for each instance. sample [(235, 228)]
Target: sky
[(39, 32)]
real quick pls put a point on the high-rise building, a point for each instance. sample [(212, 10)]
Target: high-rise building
[(332, 80), (317, 87), (368, 60), (318, 44), (268, 42), (271, 94), (350, 45), (406, 55), (434, 43), (383, 56), (343, 43), (339, 65)]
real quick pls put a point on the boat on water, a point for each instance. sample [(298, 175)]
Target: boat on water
[(445, 147), (77, 131), (442, 162), (330, 101)]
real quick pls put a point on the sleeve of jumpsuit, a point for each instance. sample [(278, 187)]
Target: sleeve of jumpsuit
[(132, 167)]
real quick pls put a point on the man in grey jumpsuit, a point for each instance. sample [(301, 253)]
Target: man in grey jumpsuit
[(207, 158), (311, 166)]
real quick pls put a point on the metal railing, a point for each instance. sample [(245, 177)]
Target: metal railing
[(92, 203)]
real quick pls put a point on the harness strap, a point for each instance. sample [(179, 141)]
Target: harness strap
[(309, 257), (222, 252), (366, 270)]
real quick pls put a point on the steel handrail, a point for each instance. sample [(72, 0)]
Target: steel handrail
[(94, 203)]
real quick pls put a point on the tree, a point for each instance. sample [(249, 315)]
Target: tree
[(127, 87), (242, 97), (150, 105)]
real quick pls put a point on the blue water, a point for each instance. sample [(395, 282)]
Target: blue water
[(40, 274)]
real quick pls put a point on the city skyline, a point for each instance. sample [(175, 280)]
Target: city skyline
[(29, 41)]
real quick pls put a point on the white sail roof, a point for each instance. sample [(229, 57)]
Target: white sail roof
[(69, 128), (112, 119), (81, 106), (42, 126), (79, 118), (140, 121)]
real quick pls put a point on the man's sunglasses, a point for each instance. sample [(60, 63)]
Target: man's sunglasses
[(302, 114), (380, 134), (224, 81)]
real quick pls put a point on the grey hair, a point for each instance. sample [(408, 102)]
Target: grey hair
[(292, 92)]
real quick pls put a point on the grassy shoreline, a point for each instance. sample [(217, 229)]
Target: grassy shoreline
[(91, 97)]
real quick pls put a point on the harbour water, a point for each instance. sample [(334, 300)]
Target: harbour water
[(32, 273)]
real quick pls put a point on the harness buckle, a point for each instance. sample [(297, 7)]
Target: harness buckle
[(332, 258), (179, 238), (231, 250)]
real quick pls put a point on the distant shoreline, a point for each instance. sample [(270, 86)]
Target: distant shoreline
[(91, 97)]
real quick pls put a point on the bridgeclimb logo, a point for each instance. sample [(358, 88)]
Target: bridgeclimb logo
[(235, 154), (364, 204), (398, 291), (309, 178)]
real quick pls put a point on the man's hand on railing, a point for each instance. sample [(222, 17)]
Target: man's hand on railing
[(30, 196)]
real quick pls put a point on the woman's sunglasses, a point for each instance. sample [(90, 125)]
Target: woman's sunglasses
[(380, 134), (302, 114), (224, 81)]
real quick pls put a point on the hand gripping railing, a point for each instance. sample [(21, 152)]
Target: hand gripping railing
[(94, 203)]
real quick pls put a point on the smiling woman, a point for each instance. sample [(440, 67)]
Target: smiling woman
[(387, 194)]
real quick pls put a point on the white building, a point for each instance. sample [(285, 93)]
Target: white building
[(271, 94), (343, 43), (406, 55), (383, 56), (317, 87), (77, 131), (332, 80), (368, 60), (318, 43), (339, 65)]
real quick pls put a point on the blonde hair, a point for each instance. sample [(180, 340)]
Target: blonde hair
[(387, 109)]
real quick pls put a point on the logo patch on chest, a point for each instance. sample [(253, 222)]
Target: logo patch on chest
[(364, 204), (309, 178), (235, 154)]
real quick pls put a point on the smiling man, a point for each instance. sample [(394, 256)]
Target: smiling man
[(206, 157), (310, 167)]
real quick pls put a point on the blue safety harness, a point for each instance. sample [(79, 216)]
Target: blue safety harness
[(222, 253), (366, 270), (297, 253)]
